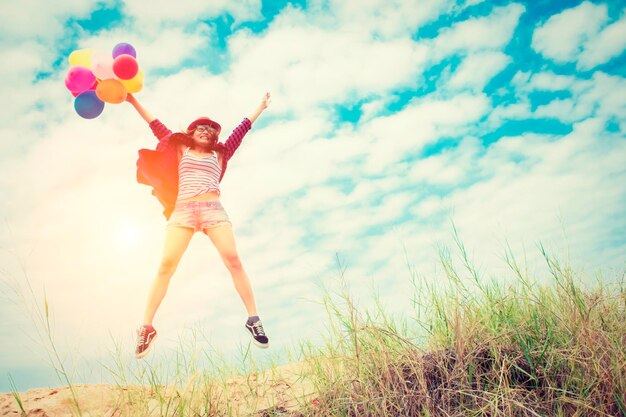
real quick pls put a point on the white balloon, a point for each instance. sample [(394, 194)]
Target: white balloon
[(102, 65)]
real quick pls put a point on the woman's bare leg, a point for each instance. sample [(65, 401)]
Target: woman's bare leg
[(224, 241), (176, 241)]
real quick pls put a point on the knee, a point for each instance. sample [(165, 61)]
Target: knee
[(167, 267), (232, 262)]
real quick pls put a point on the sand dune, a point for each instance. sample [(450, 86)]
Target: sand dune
[(274, 391)]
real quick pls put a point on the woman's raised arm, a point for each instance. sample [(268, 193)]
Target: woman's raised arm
[(264, 103), (145, 114)]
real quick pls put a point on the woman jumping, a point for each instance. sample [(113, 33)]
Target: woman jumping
[(185, 171)]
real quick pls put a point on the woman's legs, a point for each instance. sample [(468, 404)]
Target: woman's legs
[(224, 241), (176, 241)]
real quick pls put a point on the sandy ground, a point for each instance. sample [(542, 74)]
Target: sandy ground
[(274, 392)]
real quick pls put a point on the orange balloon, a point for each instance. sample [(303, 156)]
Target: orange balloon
[(135, 84), (111, 91)]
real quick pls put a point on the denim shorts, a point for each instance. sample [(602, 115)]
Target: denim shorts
[(199, 215)]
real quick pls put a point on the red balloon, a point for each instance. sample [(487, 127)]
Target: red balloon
[(125, 66)]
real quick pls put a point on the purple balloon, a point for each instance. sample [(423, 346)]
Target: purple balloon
[(88, 105), (124, 48)]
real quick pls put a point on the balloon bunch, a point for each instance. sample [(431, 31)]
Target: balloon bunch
[(95, 78)]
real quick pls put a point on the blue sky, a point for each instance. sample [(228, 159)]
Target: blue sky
[(389, 121)]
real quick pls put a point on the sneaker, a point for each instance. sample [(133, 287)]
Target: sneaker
[(258, 334), (145, 339)]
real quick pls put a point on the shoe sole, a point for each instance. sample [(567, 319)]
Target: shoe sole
[(145, 352), (257, 344)]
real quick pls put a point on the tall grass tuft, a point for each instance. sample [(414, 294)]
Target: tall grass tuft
[(40, 314), (520, 349), (16, 395)]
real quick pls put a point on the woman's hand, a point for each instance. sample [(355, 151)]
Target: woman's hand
[(266, 100), (264, 104)]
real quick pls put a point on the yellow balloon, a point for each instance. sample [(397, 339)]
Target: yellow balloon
[(111, 91), (135, 84), (81, 57)]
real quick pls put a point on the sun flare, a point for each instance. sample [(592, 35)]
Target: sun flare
[(127, 234)]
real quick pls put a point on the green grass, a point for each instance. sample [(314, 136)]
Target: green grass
[(520, 349), (549, 346)]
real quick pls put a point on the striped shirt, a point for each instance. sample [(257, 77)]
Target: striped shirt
[(198, 175)]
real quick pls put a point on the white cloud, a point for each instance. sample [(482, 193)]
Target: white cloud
[(609, 43), (396, 136), (451, 167), (458, 110), (490, 32), (476, 70), (562, 35), (565, 110), (306, 64), (468, 3), (544, 81), (20, 89), (157, 12), (280, 161), (532, 181), (516, 111), (607, 94), (600, 96), (26, 59), (157, 47), (429, 206), (35, 19), (374, 107), (384, 18)]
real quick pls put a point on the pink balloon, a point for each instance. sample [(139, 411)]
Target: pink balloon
[(125, 66), (92, 88), (79, 79)]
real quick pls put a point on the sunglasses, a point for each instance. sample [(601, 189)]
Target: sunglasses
[(204, 128)]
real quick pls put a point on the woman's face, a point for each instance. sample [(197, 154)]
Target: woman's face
[(205, 136)]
